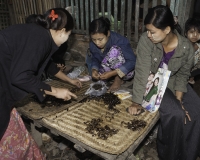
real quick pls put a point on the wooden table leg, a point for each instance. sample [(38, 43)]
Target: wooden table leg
[(131, 157), (37, 136)]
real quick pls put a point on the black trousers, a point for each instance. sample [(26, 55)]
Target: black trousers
[(177, 140)]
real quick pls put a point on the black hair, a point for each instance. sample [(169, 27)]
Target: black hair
[(161, 17), (192, 23), (31, 18), (157, 79), (64, 20), (100, 25), (152, 73)]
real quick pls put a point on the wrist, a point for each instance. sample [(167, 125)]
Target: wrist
[(114, 73), (52, 92), (179, 99), (134, 103), (70, 80), (94, 70)]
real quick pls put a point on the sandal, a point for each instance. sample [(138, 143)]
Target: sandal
[(139, 111)]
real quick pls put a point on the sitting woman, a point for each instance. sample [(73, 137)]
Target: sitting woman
[(162, 46), (112, 55)]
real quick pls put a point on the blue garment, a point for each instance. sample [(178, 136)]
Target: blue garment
[(120, 41), (89, 62)]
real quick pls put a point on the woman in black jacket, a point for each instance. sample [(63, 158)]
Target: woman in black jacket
[(25, 51)]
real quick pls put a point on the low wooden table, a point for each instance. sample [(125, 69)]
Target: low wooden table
[(82, 147), (79, 145)]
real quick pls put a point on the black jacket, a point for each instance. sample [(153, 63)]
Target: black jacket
[(25, 50)]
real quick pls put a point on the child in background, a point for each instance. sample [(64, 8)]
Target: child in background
[(192, 32)]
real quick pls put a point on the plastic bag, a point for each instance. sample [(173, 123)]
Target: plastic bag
[(97, 88), (76, 72)]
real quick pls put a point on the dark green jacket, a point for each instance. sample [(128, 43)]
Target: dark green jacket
[(152, 91), (148, 59)]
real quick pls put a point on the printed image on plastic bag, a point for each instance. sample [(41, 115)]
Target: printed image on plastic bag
[(155, 89)]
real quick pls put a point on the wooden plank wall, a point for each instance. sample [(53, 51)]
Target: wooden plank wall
[(126, 16), (4, 15), (24, 8)]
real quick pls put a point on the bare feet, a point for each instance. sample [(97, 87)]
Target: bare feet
[(116, 84)]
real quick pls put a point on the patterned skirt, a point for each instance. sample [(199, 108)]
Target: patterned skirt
[(17, 143), (113, 60)]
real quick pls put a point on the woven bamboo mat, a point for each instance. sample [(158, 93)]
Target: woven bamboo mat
[(72, 123), (36, 110)]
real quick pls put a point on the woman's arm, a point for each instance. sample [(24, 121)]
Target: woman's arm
[(64, 77), (107, 75), (183, 72), (28, 61), (129, 56), (179, 95), (61, 93), (142, 68)]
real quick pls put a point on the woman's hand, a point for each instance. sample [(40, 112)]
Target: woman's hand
[(61, 66), (63, 77), (179, 96), (135, 109), (61, 93), (187, 116), (76, 82), (95, 74), (106, 75)]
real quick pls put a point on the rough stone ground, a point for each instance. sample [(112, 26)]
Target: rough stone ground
[(58, 148)]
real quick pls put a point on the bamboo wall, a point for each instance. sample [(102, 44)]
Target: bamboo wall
[(4, 15), (126, 16), (23, 8)]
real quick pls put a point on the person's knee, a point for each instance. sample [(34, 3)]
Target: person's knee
[(178, 115), (171, 107)]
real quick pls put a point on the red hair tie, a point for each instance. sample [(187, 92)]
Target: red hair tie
[(53, 16)]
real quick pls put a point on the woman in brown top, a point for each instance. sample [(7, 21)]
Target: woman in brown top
[(162, 46)]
